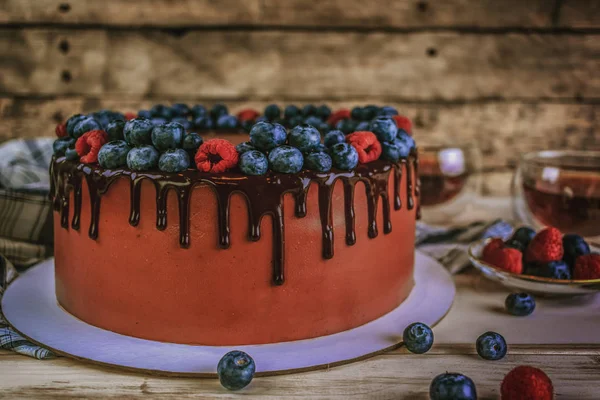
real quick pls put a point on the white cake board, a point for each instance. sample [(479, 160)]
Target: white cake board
[(31, 307)]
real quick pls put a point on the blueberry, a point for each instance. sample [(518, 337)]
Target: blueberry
[(552, 269), (523, 235), (491, 346), (113, 154), (320, 148), (323, 112), (60, 145), (191, 142), (236, 370), (362, 126), (304, 137), (574, 246), (180, 110), (247, 125), (452, 386), (71, 122), (138, 131), (357, 113), (388, 111), (384, 128), (174, 160), (313, 120), (266, 136), (71, 154), (114, 129), (104, 117), (203, 123), (334, 137), (344, 156), (158, 121), (346, 125), (418, 338), (186, 123), (198, 111), (309, 109), (294, 121), (253, 162), (323, 128), (167, 136), (370, 112), (244, 147), (397, 149), (272, 112), (144, 114), (161, 111), (218, 110), (85, 125), (227, 122), (318, 161), (286, 159), (514, 244), (142, 158), (520, 304), (291, 111)]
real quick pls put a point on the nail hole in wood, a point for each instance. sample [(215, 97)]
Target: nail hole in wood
[(57, 117), (64, 46), (431, 52), (578, 97), (64, 7), (422, 6), (66, 76)]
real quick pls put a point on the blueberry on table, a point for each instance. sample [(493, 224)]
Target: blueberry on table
[(198, 111), (236, 370), (142, 158), (334, 137), (191, 142), (60, 145), (180, 110), (161, 111), (290, 111), (253, 162), (520, 304), (515, 244), (168, 136), (491, 346), (452, 386), (244, 147), (218, 110), (113, 154), (227, 122), (344, 156), (384, 128), (304, 137), (71, 122), (144, 114), (266, 136), (323, 112), (523, 235), (418, 338), (388, 111), (286, 159), (552, 269), (138, 131), (71, 154), (346, 125), (114, 129), (574, 246), (309, 109), (85, 125), (174, 160), (318, 161), (272, 112)]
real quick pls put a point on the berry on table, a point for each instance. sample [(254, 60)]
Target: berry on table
[(216, 155), (114, 129), (574, 246), (236, 370), (272, 112), (318, 161), (366, 145), (520, 304), (418, 338), (191, 142), (304, 137), (113, 154), (88, 146), (523, 235), (334, 137), (60, 145), (505, 258), (266, 136), (253, 162), (344, 156), (138, 131), (452, 386), (587, 266), (174, 160), (168, 136), (286, 159), (546, 246), (492, 245), (526, 383), (491, 346), (86, 124), (142, 158), (552, 269)]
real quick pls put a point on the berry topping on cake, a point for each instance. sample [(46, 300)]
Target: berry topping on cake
[(344, 156), (526, 383), (61, 130), (161, 111), (546, 246), (89, 145), (218, 110), (291, 111), (71, 154), (203, 123), (72, 122), (247, 114), (366, 145), (403, 123), (505, 258), (370, 111), (113, 154), (174, 160), (142, 158), (216, 155), (142, 114), (272, 112), (520, 304), (309, 109), (587, 266), (491, 346), (198, 111), (357, 114), (334, 137), (304, 137), (574, 246), (60, 145), (180, 110), (338, 116), (418, 338), (138, 131), (168, 136), (388, 111), (318, 161), (227, 122), (130, 115), (394, 151), (86, 124), (253, 162), (323, 112), (286, 159), (244, 147), (266, 136), (236, 370), (114, 129), (346, 125), (452, 386), (552, 269), (191, 143)]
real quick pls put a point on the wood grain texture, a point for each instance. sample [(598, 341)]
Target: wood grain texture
[(445, 66), (379, 14), (579, 14)]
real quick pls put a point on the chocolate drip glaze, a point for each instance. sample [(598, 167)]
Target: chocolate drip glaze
[(263, 194)]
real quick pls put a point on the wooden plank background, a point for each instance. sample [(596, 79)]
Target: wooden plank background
[(509, 76)]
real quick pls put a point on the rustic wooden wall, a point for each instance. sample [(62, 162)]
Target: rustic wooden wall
[(508, 75)]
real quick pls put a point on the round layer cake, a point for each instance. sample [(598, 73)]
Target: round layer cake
[(199, 257)]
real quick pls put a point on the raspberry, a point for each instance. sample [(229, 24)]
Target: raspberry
[(130, 115), (505, 258), (61, 130), (403, 122), (247, 114), (492, 245), (337, 116), (587, 267), (526, 383), (216, 155), (366, 144), (89, 144), (546, 246)]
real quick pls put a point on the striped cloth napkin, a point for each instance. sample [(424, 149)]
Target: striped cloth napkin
[(26, 227)]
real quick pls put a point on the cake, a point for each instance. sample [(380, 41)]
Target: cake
[(229, 249)]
